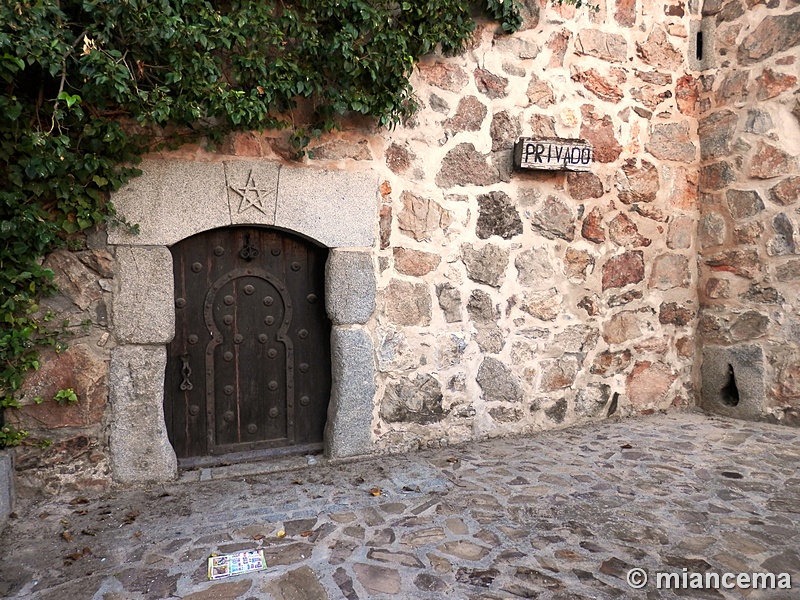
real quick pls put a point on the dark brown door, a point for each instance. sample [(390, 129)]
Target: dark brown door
[(248, 372)]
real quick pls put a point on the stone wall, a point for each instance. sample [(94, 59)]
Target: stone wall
[(506, 302), (78, 455), (512, 302), (749, 186)]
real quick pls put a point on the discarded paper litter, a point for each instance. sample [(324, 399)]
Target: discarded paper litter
[(236, 563)]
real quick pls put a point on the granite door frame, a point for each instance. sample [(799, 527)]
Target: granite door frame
[(173, 200)]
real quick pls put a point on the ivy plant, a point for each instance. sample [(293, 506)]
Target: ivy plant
[(88, 86)]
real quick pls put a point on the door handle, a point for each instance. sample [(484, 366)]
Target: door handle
[(186, 371)]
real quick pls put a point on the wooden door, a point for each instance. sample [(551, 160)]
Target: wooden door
[(248, 372)]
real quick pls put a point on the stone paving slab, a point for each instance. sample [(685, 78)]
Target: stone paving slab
[(560, 515)]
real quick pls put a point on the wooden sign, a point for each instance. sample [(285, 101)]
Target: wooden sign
[(553, 154)]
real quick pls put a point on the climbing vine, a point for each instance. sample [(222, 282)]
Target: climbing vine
[(88, 86)]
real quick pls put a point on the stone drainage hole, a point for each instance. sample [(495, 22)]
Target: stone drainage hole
[(730, 393)]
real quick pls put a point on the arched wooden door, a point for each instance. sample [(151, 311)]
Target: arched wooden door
[(248, 372)]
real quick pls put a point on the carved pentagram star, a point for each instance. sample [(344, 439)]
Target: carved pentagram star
[(252, 195)]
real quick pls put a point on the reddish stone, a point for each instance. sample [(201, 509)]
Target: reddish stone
[(622, 327), (648, 384), (716, 134), (679, 236), (671, 141), (670, 313), (406, 303), (743, 204), (554, 219), (670, 271), (674, 10), (748, 234), (739, 262), (599, 131), (770, 161), (625, 14), (558, 373), (529, 11), (73, 279), (69, 451), (623, 270), (711, 230), (591, 304), (637, 183), (624, 232), (687, 94), (577, 263), (611, 363), (686, 347), (776, 33), (446, 76), (789, 271), (415, 262), (600, 86), (504, 131), (770, 84), (654, 77), (682, 184), (545, 304), (464, 165), (543, 126), (422, 217), (649, 97), (539, 92), (749, 326), (786, 192), (398, 158), (732, 11), (558, 46), (246, 144), (490, 84), (716, 176), (606, 46), (342, 149), (732, 89), (385, 224), (659, 52), (592, 228), (497, 216), (469, 115), (790, 381), (78, 368), (584, 185), (99, 261), (650, 212)]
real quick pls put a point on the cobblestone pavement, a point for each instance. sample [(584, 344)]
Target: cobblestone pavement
[(562, 514)]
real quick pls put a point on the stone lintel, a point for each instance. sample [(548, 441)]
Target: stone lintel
[(338, 209), (171, 201), (252, 188), (143, 309), (140, 449), (349, 287), (348, 431)]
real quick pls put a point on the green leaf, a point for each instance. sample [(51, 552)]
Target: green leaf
[(70, 100)]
